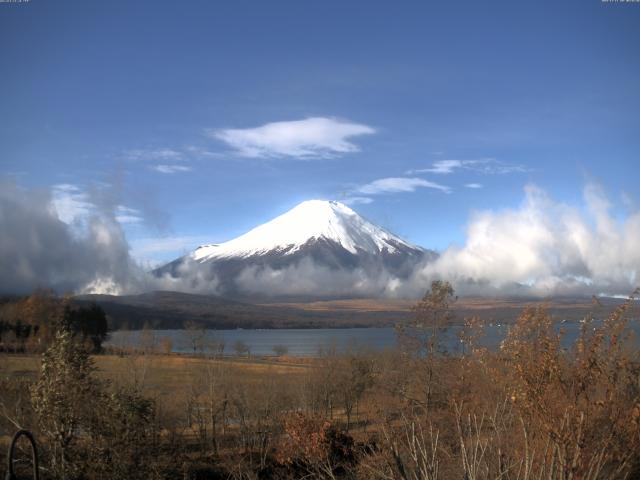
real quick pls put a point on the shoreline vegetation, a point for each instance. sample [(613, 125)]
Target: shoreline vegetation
[(532, 409)]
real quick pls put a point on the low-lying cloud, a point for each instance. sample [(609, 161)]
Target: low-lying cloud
[(307, 278), (40, 250), (73, 205), (544, 248)]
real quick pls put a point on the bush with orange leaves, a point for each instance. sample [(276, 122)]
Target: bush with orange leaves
[(315, 447), (578, 405)]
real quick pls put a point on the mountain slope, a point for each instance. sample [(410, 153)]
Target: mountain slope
[(310, 220), (322, 236)]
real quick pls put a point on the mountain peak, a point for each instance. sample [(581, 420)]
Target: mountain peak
[(311, 220), (321, 210)]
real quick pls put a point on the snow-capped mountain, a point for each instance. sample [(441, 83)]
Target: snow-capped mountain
[(326, 233), (309, 221)]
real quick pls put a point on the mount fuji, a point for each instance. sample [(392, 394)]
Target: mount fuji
[(325, 234)]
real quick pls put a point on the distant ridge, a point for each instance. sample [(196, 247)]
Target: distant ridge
[(167, 310)]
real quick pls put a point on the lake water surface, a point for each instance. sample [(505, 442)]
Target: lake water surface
[(309, 342)]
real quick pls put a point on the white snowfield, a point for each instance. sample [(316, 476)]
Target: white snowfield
[(308, 221)]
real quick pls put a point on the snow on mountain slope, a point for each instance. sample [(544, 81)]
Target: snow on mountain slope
[(313, 220), (318, 249)]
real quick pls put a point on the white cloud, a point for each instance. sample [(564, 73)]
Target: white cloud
[(474, 185), (128, 215), (485, 166), (399, 184), (306, 277), (545, 248), (169, 169), (202, 152), (495, 167), (153, 154), (316, 137), (441, 167), (149, 246), (70, 203), (73, 205), (356, 200)]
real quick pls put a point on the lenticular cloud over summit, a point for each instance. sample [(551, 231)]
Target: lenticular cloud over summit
[(323, 248), (315, 137)]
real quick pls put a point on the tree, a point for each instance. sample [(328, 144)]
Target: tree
[(91, 431), (124, 435), (35, 319), (432, 316), (64, 398), (90, 323), (280, 350), (241, 348), (196, 333), (420, 337), (214, 347), (166, 344), (147, 339), (355, 375)]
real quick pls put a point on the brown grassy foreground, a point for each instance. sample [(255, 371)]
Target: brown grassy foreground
[(168, 379), (163, 374), (531, 410)]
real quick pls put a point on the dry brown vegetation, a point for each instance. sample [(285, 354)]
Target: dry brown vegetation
[(530, 410)]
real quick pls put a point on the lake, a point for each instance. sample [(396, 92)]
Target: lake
[(309, 342)]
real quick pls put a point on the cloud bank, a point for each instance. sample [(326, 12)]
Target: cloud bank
[(38, 249), (86, 253), (541, 248), (544, 248), (307, 278), (73, 205), (311, 138)]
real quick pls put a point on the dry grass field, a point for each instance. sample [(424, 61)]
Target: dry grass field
[(172, 381), (462, 304), (166, 375), (489, 309)]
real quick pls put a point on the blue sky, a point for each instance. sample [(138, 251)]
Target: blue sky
[(207, 118)]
